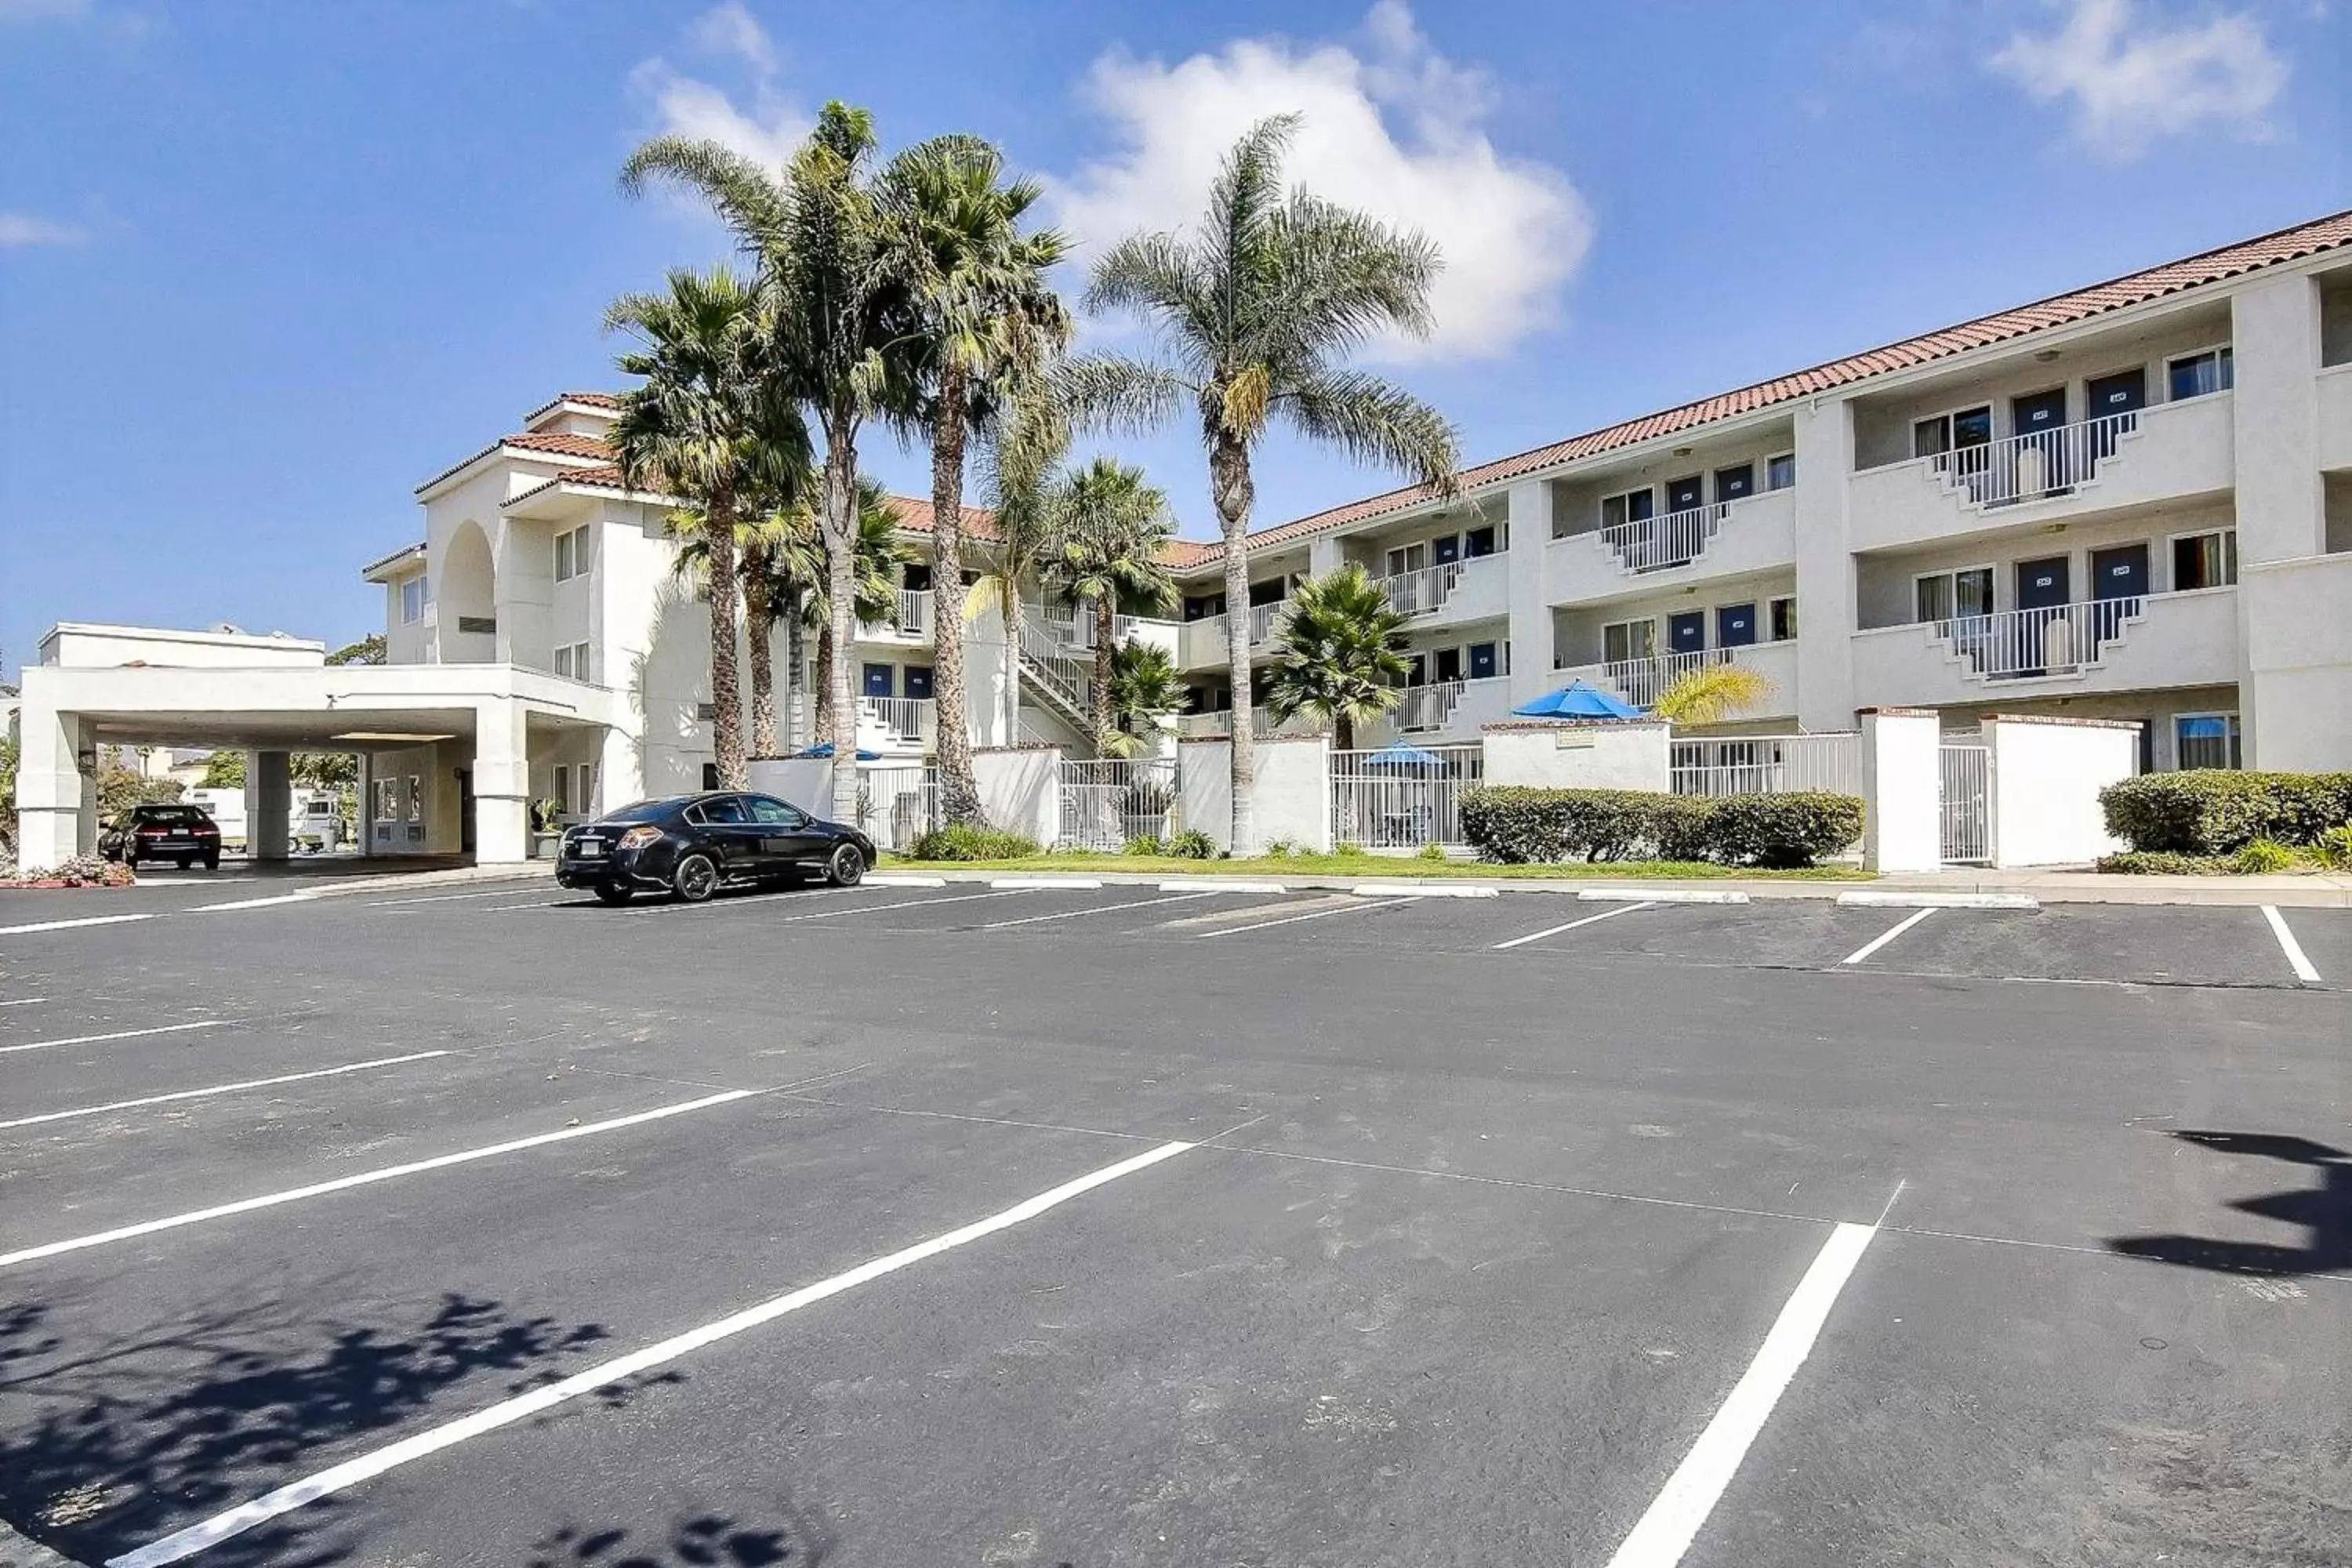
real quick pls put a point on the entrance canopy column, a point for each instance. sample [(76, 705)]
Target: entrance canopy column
[(501, 783), (269, 803), (56, 789)]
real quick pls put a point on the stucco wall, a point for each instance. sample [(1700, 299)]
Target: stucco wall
[(1021, 791), (1627, 754), (2046, 778), (1293, 795)]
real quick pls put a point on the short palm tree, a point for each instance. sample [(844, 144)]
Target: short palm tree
[(1257, 311), (1111, 533), (1340, 655), (1145, 687), (877, 559), (983, 312), (1710, 694), (709, 424)]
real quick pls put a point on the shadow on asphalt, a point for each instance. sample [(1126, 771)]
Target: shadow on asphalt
[(703, 1539), (112, 1446), (2325, 1211)]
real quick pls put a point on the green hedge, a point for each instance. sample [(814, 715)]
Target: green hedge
[(1519, 825), (973, 844), (2219, 811)]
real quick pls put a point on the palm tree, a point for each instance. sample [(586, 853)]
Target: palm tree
[(779, 562), (1018, 462), (1340, 655), (878, 557), (983, 311), (1111, 530), (709, 425), (838, 318), (1710, 694), (1145, 685), (1258, 311)]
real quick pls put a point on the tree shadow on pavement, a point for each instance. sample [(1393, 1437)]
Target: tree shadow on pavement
[(2324, 1210), (704, 1538), (105, 1447)]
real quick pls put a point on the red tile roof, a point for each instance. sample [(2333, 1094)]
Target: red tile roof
[(558, 442), (2064, 309)]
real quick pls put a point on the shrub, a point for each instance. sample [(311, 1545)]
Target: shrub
[(1515, 823), (1192, 843), (1347, 851), (2219, 810), (2334, 847), (1146, 844), (1281, 850), (2262, 857), (2163, 863), (1433, 851), (973, 844)]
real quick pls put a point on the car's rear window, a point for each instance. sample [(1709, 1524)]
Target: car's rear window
[(177, 815), (642, 810)]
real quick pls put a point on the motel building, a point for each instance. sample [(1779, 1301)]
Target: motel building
[(2131, 502)]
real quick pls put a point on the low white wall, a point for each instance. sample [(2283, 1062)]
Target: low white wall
[(806, 782), (2046, 778), (1021, 790), (1902, 790), (1293, 795), (1581, 754)]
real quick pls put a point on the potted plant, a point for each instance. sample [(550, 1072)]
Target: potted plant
[(546, 828)]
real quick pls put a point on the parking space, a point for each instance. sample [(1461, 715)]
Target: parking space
[(1128, 1225)]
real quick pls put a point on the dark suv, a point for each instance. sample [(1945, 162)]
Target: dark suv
[(182, 835)]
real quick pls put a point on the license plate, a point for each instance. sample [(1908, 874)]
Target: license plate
[(590, 848)]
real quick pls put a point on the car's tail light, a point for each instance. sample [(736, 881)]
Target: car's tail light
[(638, 838), (157, 831)]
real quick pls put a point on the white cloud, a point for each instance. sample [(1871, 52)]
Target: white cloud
[(769, 130), (1394, 130), (2133, 82), (19, 229)]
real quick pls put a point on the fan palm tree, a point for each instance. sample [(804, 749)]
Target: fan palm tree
[(709, 424), (1111, 529), (838, 318), (1257, 311), (1340, 655), (983, 311), (877, 558), (780, 563), (1710, 694), (1145, 685), (1018, 460)]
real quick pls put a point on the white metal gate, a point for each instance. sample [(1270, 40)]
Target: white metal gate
[(1767, 764), (1405, 797), (897, 803), (1107, 801), (1963, 776)]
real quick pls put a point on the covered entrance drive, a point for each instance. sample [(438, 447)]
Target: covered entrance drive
[(451, 756)]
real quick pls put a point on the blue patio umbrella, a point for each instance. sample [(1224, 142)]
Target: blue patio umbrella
[(1398, 754), (1577, 700), (826, 750)]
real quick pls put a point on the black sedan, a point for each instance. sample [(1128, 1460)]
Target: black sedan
[(692, 845), (180, 834)]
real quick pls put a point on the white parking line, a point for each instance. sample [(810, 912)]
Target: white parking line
[(900, 879), (1347, 908), (270, 902), (235, 1521), (2296, 960), (1555, 931), (117, 1035), (902, 904), (69, 925), (1875, 943), (1673, 1520), (1065, 884), (365, 1178), (219, 1089), (22, 1001), (1097, 909)]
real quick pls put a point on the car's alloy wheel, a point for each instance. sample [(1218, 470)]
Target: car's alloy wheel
[(847, 866), (696, 878)]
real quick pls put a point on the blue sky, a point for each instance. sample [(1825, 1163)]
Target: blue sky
[(265, 267)]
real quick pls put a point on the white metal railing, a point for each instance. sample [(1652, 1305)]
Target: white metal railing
[(1675, 539), (2055, 639), (2036, 465), (1420, 591), (911, 718), (915, 611), (1427, 706), (1387, 800), (1110, 801), (1963, 776), (1263, 723), (897, 803), (1262, 618), (1767, 764), (1641, 679), (1201, 724)]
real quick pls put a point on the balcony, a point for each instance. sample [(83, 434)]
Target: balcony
[(2169, 452), (1640, 680), (1203, 642), (1727, 538), (1443, 709), (910, 622), (2335, 389), (1455, 592), (2111, 644), (902, 721), (1220, 724)]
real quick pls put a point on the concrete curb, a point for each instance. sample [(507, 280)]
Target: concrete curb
[(1661, 896), (15, 1552), (1899, 900)]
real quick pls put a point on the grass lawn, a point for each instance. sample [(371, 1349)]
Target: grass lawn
[(1276, 865)]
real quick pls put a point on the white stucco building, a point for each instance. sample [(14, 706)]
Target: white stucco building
[(2132, 501)]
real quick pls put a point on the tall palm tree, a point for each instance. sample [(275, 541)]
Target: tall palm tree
[(779, 561), (1340, 655), (709, 424), (878, 557), (1257, 311), (983, 311), (1018, 462), (838, 318), (1111, 530)]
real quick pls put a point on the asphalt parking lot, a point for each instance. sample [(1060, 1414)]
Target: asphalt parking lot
[(1088, 1227)]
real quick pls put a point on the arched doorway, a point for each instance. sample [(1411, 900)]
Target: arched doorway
[(468, 596)]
